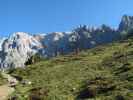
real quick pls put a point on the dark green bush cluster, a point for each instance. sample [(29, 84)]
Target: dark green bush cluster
[(97, 86), (38, 93), (34, 59)]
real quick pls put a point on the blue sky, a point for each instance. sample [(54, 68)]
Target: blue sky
[(37, 16)]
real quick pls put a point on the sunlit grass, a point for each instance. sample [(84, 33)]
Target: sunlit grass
[(65, 77)]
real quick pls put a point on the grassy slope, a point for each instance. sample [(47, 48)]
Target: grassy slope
[(103, 73), (2, 80)]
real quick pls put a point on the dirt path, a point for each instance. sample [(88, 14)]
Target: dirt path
[(5, 90)]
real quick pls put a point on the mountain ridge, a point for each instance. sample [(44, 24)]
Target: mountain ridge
[(22, 46)]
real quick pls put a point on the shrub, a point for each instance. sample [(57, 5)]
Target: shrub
[(38, 93), (34, 59)]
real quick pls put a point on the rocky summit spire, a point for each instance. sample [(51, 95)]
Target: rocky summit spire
[(126, 23)]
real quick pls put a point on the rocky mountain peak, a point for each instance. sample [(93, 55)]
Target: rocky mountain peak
[(17, 49), (126, 23)]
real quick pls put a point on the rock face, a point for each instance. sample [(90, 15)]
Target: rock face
[(126, 23), (19, 47), (83, 37), (1, 42)]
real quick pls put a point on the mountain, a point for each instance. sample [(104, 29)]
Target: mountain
[(20, 46), (83, 37), (17, 49), (126, 23)]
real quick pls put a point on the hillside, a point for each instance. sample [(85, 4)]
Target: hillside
[(2, 80), (101, 73)]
